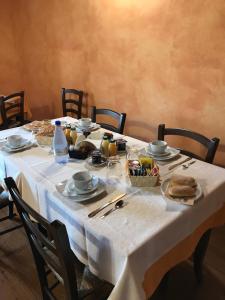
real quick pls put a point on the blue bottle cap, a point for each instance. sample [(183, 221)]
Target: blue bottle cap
[(57, 123)]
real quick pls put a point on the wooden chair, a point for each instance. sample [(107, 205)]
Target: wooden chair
[(52, 253), (211, 146), (72, 106), (120, 117), (5, 202), (12, 110)]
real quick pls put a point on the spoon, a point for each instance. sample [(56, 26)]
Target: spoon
[(186, 166), (119, 204)]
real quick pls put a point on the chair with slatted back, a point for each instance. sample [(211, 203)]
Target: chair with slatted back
[(12, 110), (72, 106), (52, 254), (211, 146), (119, 117)]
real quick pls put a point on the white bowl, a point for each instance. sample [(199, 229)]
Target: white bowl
[(84, 122), (158, 146), (14, 140)]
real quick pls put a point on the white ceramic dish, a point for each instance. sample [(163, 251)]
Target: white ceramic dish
[(158, 146), (92, 127), (184, 200), (170, 153), (22, 144), (84, 122), (71, 187), (60, 187), (166, 153), (5, 148)]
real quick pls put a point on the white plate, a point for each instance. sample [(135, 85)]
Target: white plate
[(167, 152), (26, 146), (72, 188), (23, 143), (60, 187), (172, 153), (184, 200)]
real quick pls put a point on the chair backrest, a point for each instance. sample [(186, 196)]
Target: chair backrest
[(12, 110), (120, 117), (70, 105), (50, 246), (210, 144)]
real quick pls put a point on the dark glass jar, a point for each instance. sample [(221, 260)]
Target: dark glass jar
[(96, 157), (121, 145)]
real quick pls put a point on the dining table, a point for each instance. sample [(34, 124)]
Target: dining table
[(136, 245)]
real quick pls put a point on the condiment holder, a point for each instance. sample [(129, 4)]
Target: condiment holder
[(143, 172)]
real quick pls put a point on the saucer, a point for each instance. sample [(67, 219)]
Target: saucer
[(91, 127), (61, 188), (71, 187), (23, 143), (165, 153), (172, 152), (27, 145)]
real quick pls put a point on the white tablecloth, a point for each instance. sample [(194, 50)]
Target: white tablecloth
[(122, 246)]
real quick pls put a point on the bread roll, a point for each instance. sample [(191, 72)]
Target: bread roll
[(182, 180), (181, 191)]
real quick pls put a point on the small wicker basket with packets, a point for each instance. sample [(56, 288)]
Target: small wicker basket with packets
[(143, 172)]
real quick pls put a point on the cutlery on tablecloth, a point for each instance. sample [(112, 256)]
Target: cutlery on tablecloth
[(186, 166), (119, 204), (96, 211), (179, 163)]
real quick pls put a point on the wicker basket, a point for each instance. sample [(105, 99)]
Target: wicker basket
[(143, 181)]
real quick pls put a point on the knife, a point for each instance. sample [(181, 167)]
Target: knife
[(94, 212), (179, 163)]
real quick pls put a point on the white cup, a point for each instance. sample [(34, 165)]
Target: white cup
[(83, 180), (158, 146), (84, 122), (14, 140)]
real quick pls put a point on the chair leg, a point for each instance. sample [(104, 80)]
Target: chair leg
[(199, 255), (11, 214)]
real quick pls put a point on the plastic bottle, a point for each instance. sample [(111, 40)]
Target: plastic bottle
[(105, 146), (60, 146), (73, 135)]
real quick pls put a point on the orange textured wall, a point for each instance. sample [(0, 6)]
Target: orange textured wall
[(158, 61), (10, 77)]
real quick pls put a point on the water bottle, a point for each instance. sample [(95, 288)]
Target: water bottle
[(60, 146)]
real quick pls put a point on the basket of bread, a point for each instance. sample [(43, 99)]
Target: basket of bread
[(45, 134), (143, 172), (184, 189), (35, 126)]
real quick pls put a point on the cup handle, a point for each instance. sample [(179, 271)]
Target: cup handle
[(90, 185)]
